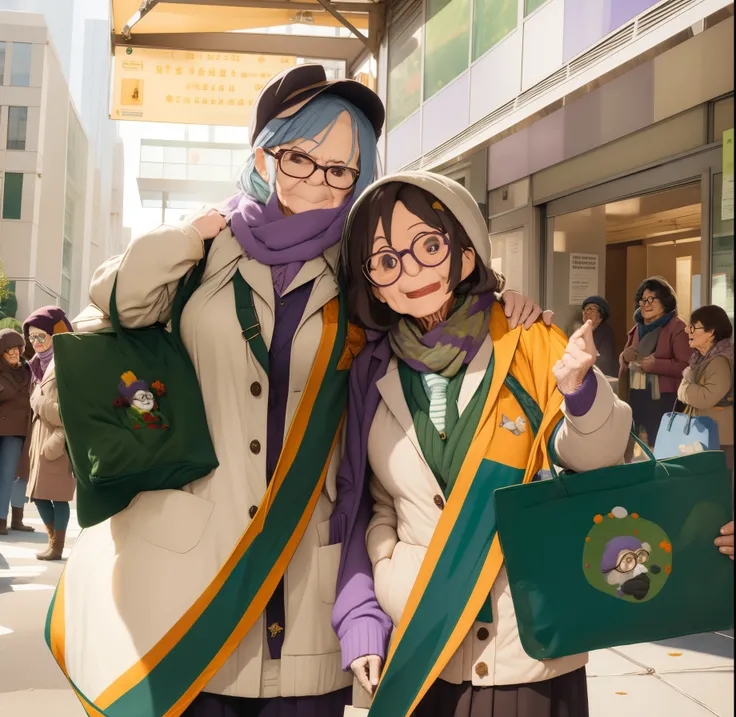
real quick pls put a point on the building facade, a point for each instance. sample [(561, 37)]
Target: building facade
[(589, 131), (57, 216)]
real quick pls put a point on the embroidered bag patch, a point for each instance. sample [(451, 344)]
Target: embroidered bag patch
[(627, 557), (139, 401)]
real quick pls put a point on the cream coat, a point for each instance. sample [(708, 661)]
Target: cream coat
[(133, 576), (406, 514), (50, 475)]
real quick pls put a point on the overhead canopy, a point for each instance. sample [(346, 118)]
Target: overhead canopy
[(217, 25)]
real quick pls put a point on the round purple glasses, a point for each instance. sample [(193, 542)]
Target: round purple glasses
[(384, 267)]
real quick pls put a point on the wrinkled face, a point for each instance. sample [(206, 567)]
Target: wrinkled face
[(651, 307), (143, 401), (420, 291), (40, 340), (591, 312), (700, 338), (12, 356), (329, 149)]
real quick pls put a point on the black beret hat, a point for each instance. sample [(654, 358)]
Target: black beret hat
[(286, 93)]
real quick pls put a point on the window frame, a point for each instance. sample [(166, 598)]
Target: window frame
[(24, 123)]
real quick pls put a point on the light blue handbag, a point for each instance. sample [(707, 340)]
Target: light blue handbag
[(682, 434)]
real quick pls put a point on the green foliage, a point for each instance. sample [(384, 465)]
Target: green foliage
[(10, 323)]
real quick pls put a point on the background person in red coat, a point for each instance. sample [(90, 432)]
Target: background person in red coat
[(657, 352)]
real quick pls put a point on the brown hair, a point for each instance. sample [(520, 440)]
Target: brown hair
[(714, 319), (357, 245)]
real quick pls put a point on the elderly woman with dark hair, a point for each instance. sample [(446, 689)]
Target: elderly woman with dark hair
[(597, 311), (656, 354), (707, 383)]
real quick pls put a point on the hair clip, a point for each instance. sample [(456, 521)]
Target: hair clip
[(438, 207)]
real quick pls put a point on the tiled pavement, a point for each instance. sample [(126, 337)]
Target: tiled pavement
[(686, 677)]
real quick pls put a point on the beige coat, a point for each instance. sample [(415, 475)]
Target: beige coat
[(133, 576), (408, 506), (50, 470), (714, 385)]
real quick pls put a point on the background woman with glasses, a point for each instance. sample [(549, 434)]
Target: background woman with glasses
[(51, 483), (656, 354), (707, 382)]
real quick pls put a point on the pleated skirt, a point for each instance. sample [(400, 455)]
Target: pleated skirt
[(564, 696)]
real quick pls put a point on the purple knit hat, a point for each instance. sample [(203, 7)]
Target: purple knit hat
[(614, 547), (130, 385), (50, 319)]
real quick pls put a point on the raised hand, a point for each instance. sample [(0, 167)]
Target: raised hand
[(580, 356)]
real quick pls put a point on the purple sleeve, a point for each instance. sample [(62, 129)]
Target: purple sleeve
[(362, 627), (581, 401)]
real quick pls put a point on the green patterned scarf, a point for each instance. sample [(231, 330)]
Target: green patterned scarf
[(449, 345)]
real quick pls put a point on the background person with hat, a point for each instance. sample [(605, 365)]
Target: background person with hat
[(51, 483), (267, 332), (15, 421), (597, 311)]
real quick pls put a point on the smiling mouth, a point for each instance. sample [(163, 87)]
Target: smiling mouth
[(425, 291)]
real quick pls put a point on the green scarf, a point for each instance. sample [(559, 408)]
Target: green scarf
[(444, 452)]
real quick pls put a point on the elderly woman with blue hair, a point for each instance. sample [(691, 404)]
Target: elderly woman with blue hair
[(215, 601)]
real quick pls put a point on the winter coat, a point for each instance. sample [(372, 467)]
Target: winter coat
[(51, 475)]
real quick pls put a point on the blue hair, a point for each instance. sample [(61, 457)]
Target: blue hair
[(317, 116)]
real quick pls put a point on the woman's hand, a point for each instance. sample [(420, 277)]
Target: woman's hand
[(520, 309), (687, 375), (725, 542), (630, 354), (210, 225), (579, 358), (647, 363), (367, 669)]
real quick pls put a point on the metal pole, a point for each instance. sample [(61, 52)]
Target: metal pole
[(143, 10), (327, 5)]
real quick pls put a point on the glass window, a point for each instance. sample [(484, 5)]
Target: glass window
[(152, 153), (66, 257), (531, 5), (447, 50), (17, 125), (175, 171), (151, 170), (722, 289), (66, 287), (2, 62), (20, 68), (12, 195), (493, 20), (176, 155), (405, 69)]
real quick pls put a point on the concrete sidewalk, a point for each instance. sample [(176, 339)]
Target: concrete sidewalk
[(685, 677)]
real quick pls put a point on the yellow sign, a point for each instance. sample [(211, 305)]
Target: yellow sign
[(207, 88)]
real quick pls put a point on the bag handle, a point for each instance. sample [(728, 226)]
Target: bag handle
[(687, 412), (185, 288), (553, 455)]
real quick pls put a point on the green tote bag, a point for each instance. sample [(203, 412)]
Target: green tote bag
[(619, 555), (132, 410)]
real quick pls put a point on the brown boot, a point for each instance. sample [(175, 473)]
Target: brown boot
[(3, 526), (57, 546), (43, 555), (17, 522)]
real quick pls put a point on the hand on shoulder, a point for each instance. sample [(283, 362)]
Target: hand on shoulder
[(209, 225)]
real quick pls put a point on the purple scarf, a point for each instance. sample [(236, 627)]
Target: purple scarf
[(39, 363), (267, 235)]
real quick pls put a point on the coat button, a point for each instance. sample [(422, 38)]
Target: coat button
[(252, 511), (255, 447), (255, 388), (439, 502), (481, 669), (483, 634)]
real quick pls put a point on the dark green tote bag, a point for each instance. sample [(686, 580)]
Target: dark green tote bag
[(619, 555), (132, 410)]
